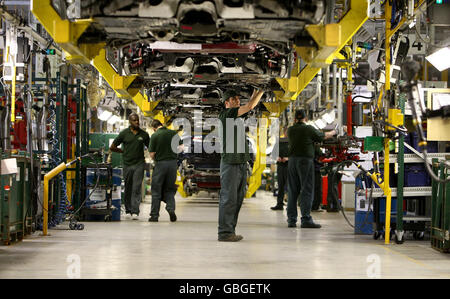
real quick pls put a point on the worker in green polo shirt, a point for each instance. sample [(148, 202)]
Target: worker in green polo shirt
[(301, 139), (233, 164), (163, 150), (134, 139)]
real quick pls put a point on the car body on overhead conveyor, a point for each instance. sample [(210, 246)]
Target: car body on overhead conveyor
[(188, 21), (199, 163), (203, 62), (183, 100), (197, 41)]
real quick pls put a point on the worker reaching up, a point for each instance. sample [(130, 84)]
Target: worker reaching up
[(233, 164)]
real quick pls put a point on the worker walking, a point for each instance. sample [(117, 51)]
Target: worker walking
[(301, 169), (165, 171), (233, 164), (282, 171), (134, 140)]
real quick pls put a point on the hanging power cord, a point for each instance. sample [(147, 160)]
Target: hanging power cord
[(64, 204), (65, 207), (410, 69), (72, 220), (341, 166)]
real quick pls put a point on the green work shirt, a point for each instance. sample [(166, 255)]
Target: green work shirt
[(161, 144), (301, 140), (232, 155), (133, 146)]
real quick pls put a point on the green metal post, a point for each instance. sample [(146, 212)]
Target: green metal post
[(434, 193), (446, 209), (64, 108), (401, 172), (58, 111), (85, 138), (78, 145)]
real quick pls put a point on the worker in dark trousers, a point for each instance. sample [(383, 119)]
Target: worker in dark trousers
[(282, 171), (134, 139), (233, 163), (301, 169), (317, 181), (334, 177), (163, 150)]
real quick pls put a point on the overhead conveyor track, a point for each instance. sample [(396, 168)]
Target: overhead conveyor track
[(67, 34), (330, 38)]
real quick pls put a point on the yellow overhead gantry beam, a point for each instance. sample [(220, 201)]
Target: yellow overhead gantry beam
[(331, 38), (66, 34)]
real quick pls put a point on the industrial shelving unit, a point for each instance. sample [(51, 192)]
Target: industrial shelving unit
[(416, 223)]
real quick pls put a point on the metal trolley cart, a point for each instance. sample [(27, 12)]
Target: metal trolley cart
[(96, 190)]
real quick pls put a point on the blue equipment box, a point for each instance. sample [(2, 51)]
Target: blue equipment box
[(416, 175)]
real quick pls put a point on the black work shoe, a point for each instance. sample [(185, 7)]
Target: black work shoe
[(152, 219), (173, 217), (231, 238), (310, 225), (292, 225), (277, 208), (332, 210)]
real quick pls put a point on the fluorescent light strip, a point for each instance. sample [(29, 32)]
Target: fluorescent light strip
[(440, 59)]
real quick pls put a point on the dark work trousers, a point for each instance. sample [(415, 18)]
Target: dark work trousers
[(317, 187), (133, 176), (233, 183), (334, 178), (282, 178), (301, 183), (163, 186)]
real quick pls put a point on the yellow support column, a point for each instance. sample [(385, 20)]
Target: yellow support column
[(260, 161), (330, 38), (387, 85)]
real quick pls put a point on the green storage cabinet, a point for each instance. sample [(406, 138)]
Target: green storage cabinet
[(102, 141), (16, 202), (440, 209)]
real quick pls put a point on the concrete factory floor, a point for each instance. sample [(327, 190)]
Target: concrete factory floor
[(189, 248)]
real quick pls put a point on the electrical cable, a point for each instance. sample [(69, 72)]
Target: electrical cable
[(401, 130), (410, 70), (339, 166), (72, 222)]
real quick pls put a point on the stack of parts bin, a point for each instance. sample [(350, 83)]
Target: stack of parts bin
[(15, 195), (440, 204)]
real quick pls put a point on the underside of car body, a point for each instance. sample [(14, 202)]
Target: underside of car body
[(197, 41), (187, 21)]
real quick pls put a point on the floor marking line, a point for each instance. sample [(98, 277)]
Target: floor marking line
[(412, 259)]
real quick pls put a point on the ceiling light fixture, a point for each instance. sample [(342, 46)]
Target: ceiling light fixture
[(440, 59), (105, 115)]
